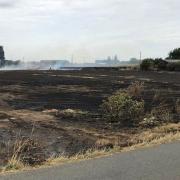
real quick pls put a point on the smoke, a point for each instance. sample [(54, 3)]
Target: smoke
[(33, 66), (7, 3)]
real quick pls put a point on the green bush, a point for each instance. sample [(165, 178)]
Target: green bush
[(160, 64), (121, 108), (147, 64)]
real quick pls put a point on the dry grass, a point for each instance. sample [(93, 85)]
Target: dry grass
[(158, 135), (158, 115), (136, 89), (14, 162), (71, 113), (149, 139), (23, 152), (90, 154)]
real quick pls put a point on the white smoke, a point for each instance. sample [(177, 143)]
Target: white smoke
[(32, 66)]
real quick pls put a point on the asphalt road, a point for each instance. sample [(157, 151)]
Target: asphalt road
[(157, 163)]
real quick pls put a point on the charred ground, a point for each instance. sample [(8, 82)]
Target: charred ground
[(35, 100)]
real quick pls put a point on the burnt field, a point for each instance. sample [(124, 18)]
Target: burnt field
[(60, 109), (85, 90)]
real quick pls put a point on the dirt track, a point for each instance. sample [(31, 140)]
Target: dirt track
[(33, 99)]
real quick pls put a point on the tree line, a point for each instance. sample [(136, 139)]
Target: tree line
[(171, 63)]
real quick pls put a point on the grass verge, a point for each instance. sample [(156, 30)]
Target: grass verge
[(151, 137)]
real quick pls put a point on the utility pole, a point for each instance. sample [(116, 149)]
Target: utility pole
[(140, 56)]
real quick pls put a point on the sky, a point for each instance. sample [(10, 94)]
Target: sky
[(88, 29)]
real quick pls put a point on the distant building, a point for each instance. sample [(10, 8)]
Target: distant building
[(63, 62), (134, 61), (116, 58), (108, 62)]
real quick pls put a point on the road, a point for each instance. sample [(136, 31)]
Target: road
[(156, 163)]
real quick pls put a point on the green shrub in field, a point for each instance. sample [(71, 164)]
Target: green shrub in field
[(160, 64), (147, 64), (153, 64), (121, 108)]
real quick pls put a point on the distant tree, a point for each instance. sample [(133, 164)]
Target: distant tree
[(174, 54), (2, 56), (160, 64), (147, 64)]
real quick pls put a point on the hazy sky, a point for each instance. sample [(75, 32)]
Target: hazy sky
[(89, 29)]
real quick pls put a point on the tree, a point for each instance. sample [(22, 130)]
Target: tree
[(174, 54), (2, 53), (160, 64), (147, 64), (2, 56)]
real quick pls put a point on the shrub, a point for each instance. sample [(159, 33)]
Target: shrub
[(135, 89), (25, 151), (158, 115), (147, 64), (160, 64), (162, 114), (123, 109)]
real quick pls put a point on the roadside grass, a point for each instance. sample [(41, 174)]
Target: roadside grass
[(148, 138), (159, 135), (14, 163)]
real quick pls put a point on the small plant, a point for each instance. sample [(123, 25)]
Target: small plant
[(149, 121), (25, 151), (157, 96), (71, 114), (162, 113), (14, 163), (158, 115), (135, 89), (123, 109)]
